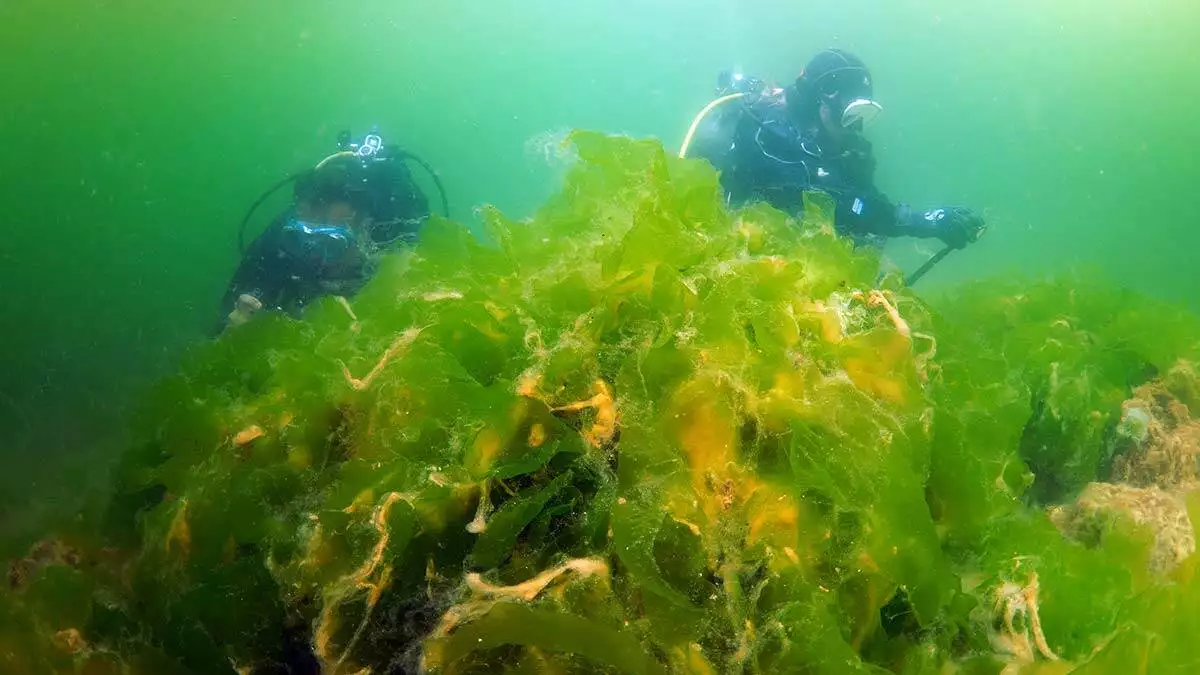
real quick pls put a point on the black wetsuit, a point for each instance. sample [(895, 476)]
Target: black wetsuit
[(764, 154), (274, 270)]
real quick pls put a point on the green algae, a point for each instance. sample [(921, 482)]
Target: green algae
[(638, 434)]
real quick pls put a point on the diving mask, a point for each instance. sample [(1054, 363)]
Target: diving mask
[(848, 90), (860, 112), (330, 248)]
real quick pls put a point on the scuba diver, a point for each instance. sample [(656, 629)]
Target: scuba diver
[(775, 143), (355, 204)]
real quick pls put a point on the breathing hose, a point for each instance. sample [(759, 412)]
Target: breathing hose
[(344, 153), (257, 203), (691, 132), (432, 174)]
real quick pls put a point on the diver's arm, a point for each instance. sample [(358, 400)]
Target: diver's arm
[(260, 275), (872, 212), (956, 226), (866, 209), (253, 274), (865, 212), (243, 296), (251, 279)]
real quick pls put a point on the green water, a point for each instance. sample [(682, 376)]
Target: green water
[(134, 135)]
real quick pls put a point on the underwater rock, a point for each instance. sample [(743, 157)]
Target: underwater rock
[(1165, 513), (1161, 437), (1157, 467)]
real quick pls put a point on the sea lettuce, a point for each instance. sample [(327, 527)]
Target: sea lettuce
[(637, 432)]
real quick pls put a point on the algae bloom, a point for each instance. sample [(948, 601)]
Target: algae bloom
[(640, 433)]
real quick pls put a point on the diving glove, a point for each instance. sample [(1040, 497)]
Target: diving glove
[(247, 306), (957, 226)]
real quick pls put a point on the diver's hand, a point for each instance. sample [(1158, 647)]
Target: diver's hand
[(955, 225), (245, 308)]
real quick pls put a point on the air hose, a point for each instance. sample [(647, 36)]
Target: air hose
[(257, 203), (432, 174), (344, 153), (691, 133)]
